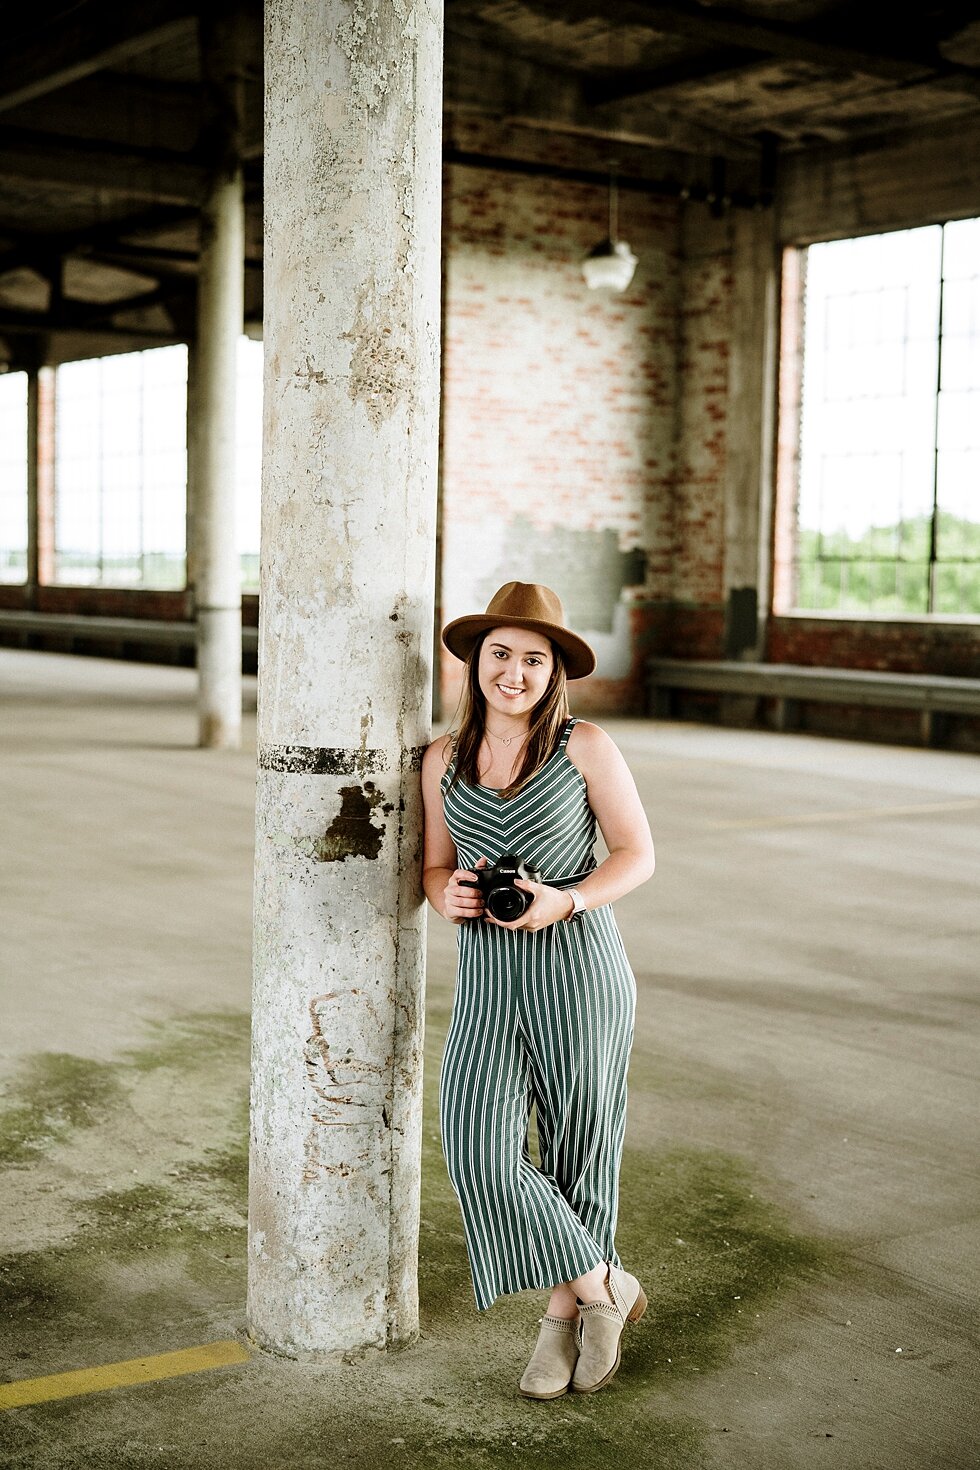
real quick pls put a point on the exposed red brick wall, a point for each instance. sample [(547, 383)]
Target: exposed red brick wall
[(115, 602), (112, 602), (899, 647), (559, 410)]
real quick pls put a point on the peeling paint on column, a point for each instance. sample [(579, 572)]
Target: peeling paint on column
[(380, 369), (352, 833), (324, 761)]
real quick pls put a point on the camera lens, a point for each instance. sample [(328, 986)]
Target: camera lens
[(507, 904)]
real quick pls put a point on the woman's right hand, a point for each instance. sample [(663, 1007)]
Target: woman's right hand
[(462, 900)]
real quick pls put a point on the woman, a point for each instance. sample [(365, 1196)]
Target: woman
[(543, 1012)]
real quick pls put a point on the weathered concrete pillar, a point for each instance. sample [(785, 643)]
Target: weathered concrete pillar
[(352, 199), (40, 479), (751, 423), (193, 423), (220, 314)]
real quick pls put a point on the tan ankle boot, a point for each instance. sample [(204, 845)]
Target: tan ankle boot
[(602, 1330), (549, 1373)]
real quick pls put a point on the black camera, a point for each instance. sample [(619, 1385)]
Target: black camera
[(505, 901)]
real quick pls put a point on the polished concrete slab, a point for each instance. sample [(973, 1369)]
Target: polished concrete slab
[(801, 1186)]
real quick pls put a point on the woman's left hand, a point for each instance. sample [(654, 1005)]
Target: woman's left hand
[(550, 906)]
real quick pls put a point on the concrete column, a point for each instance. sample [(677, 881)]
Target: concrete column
[(751, 421), (352, 198), (220, 315), (32, 478), (193, 428), (40, 479)]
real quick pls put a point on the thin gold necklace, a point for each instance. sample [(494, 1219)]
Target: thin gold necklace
[(505, 739)]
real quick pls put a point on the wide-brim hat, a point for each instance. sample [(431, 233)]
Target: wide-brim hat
[(523, 605)]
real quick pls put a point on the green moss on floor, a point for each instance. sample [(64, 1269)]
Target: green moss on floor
[(190, 1041), (155, 1265), (53, 1094)]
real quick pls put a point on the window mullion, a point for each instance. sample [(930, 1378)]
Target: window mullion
[(933, 529)]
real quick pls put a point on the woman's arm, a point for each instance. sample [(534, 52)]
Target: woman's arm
[(619, 812), (440, 875), (622, 821)]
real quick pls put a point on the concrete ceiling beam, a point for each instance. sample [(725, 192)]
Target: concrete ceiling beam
[(486, 81), (27, 246), (90, 36), (896, 54), (155, 261), (15, 323), (125, 173), (707, 66)]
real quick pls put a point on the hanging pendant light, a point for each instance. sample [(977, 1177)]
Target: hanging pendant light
[(610, 264)]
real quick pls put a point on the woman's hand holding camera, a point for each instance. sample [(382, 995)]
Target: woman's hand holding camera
[(462, 897), (550, 906)]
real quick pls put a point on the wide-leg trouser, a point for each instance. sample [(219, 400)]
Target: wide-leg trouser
[(545, 1020)]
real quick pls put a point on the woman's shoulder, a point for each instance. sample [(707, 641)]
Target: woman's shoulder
[(591, 748), (439, 754), (588, 739)]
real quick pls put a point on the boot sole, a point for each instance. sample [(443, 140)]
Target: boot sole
[(634, 1315), (544, 1398)]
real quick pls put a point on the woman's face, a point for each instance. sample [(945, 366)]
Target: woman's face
[(514, 669)]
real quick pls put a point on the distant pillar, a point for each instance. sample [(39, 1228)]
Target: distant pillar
[(220, 315), (193, 428), (352, 198), (40, 479), (751, 433)]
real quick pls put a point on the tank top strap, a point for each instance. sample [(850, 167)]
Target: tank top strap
[(569, 727), (448, 773)]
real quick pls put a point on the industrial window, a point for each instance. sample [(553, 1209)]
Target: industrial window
[(121, 468), (13, 477), (879, 497)]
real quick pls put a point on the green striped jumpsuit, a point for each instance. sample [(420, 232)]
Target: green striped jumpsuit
[(542, 1019)]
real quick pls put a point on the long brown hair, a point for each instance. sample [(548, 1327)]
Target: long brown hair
[(548, 720)]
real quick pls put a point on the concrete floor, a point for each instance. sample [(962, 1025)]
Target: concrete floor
[(800, 1189)]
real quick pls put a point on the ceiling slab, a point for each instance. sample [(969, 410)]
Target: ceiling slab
[(39, 57)]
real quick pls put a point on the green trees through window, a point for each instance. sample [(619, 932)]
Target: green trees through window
[(888, 512)]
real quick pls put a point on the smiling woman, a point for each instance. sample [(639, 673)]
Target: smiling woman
[(544, 1005)]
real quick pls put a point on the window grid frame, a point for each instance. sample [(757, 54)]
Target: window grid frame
[(790, 580)]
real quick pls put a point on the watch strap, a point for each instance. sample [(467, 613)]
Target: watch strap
[(578, 901)]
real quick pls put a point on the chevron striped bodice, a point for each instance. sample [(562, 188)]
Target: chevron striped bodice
[(549, 823)]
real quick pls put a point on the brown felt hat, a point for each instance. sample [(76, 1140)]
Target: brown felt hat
[(523, 605)]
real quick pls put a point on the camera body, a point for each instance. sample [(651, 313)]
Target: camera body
[(501, 897)]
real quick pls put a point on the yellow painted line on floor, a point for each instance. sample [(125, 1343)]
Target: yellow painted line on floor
[(853, 814), (120, 1375)]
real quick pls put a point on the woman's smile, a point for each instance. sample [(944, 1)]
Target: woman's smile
[(515, 667)]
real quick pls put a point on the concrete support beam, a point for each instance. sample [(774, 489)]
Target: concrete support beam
[(220, 320), (751, 426), (119, 172), (93, 35), (349, 499)]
